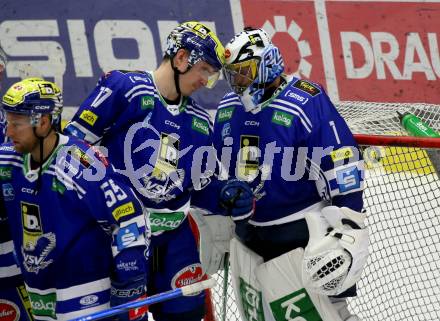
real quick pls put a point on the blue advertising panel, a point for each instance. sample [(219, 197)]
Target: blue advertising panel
[(74, 42)]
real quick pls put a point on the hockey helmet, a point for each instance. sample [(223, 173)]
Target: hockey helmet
[(34, 97), (201, 43)]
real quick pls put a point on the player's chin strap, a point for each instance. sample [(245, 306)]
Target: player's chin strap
[(337, 250), (41, 142), (177, 73)]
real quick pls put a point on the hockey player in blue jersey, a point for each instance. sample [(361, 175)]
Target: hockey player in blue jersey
[(287, 140), (13, 296), (80, 233), (153, 131)]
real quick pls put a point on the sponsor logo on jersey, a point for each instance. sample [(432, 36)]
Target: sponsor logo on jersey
[(123, 210), (225, 114), (307, 87), (126, 236), (43, 305), (27, 190), (295, 306), (168, 157), (31, 220), (9, 311), (80, 156), (188, 275), (200, 125), (127, 266), (89, 117), (128, 293), (7, 148), (35, 253), (88, 300), (348, 179), (147, 102), (282, 118), (301, 99), (8, 192), (172, 124), (165, 221), (252, 301), (57, 186), (341, 154), (249, 157), (251, 123), (5, 173)]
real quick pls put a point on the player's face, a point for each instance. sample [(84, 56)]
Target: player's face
[(20, 131), (200, 75)]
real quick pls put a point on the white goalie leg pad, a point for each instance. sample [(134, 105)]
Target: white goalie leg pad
[(283, 290), (216, 231), (244, 263)]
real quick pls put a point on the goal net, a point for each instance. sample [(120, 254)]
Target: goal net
[(402, 197)]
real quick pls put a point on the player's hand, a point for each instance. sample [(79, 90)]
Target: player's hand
[(123, 292), (237, 198)]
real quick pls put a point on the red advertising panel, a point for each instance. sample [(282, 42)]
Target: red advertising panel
[(386, 51), (293, 28)]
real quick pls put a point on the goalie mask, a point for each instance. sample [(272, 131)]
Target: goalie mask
[(337, 250), (252, 63)]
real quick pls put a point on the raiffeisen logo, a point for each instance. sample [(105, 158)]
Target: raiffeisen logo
[(294, 31)]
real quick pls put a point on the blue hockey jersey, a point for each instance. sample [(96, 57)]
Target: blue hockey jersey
[(297, 152), (73, 227), (9, 270), (163, 149)]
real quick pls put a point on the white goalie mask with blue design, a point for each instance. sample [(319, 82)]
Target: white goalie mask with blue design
[(252, 63)]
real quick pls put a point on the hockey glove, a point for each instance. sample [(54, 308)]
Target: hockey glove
[(238, 199), (123, 292)]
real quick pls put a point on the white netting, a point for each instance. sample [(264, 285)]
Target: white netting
[(402, 279)]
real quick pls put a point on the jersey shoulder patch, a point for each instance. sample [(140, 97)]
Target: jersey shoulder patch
[(307, 87), (87, 155)]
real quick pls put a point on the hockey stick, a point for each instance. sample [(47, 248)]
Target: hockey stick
[(164, 296)]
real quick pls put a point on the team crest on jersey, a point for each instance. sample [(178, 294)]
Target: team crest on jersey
[(159, 190), (307, 87), (249, 154), (8, 192), (35, 253)]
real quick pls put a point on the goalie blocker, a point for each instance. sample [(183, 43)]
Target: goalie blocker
[(274, 290)]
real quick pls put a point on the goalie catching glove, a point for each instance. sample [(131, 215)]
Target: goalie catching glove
[(337, 250), (238, 199)]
